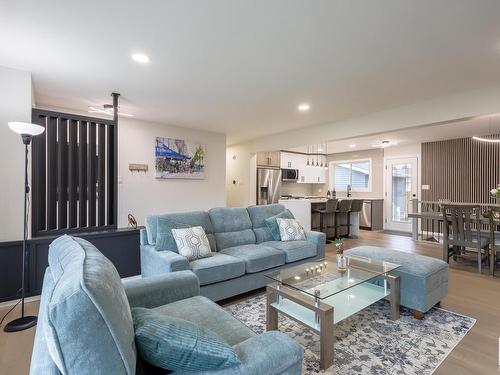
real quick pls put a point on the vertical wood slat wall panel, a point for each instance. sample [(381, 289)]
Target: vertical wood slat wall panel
[(91, 175), (112, 168), (101, 172), (461, 170), (73, 174), (51, 173), (82, 174), (38, 173), (62, 174), (73, 190)]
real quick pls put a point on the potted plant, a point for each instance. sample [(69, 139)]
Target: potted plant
[(495, 192), (341, 263)]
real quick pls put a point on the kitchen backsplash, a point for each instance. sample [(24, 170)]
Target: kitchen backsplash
[(293, 188)]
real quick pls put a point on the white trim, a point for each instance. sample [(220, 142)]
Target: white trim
[(387, 159), (331, 179)]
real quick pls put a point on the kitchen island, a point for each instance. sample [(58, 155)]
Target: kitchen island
[(302, 210)]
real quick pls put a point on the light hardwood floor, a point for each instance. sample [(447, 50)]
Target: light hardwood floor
[(469, 293)]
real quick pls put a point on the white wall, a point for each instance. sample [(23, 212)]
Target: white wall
[(240, 176), (15, 105), (141, 194)]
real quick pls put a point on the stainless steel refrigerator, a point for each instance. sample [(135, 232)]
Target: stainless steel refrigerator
[(268, 185)]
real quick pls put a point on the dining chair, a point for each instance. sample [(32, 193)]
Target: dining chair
[(494, 214), (465, 235)]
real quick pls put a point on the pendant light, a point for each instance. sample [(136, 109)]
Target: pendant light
[(326, 155), (307, 164), (321, 158), (317, 164)]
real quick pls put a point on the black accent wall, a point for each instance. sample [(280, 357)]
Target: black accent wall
[(121, 246)]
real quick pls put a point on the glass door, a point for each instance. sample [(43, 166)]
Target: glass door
[(401, 188)]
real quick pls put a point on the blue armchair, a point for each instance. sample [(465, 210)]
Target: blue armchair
[(85, 324)]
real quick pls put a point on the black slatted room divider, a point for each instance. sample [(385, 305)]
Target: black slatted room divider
[(74, 174)]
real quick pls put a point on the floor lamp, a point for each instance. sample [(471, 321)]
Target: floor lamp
[(27, 131)]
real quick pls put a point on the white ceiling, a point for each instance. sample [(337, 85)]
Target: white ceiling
[(480, 126), (241, 67)]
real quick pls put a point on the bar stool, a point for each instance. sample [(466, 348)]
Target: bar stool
[(356, 206), (330, 209), (343, 208)]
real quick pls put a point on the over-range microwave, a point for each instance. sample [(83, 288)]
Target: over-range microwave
[(291, 175)]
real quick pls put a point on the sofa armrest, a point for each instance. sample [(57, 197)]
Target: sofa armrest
[(155, 262), (159, 290), (319, 238), (143, 237)]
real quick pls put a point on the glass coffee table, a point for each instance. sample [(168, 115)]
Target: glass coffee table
[(319, 295)]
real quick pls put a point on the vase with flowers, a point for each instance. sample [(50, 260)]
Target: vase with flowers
[(495, 193), (341, 261)]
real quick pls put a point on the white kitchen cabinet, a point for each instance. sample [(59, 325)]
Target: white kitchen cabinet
[(307, 175), (292, 161), (315, 175)]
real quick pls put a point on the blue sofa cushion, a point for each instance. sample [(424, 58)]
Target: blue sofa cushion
[(88, 300), (424, 280), (257, 257), (294, 250), (176, 344), (231, 239), (206, 313), (259, 214), (164, 238), (232, 227), (193, 219), (272, 223), (218, 267), (229, 219)]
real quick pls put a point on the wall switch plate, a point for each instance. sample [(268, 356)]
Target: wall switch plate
[(426, 187)]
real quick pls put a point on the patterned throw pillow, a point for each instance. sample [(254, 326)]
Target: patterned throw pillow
[(192, 242), (291, 230), (176, 344)]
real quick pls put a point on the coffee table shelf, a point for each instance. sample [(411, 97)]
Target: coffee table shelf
[(345, 304), (318, 295)]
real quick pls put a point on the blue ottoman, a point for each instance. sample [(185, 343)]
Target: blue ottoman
[(424, 280)]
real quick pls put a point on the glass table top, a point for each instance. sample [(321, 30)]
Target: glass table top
[(322, 279)]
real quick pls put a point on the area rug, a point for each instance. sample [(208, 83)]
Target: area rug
[(369, 342)]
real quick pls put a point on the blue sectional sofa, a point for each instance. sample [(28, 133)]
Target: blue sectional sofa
[(85, 323), (244, 249)]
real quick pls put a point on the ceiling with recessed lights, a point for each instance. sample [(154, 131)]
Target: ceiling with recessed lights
[(243, 67), (480, 126)]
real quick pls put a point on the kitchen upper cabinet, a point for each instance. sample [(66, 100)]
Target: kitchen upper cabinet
[(315, 175), (292, 161), (269, 159), (307, 175)]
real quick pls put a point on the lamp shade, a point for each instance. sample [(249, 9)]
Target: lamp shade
[(26, 128)]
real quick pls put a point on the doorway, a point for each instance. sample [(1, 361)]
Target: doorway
[(401, 187)]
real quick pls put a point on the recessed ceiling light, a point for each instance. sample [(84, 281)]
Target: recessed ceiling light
[(304, 107), (140, 58), (352, 146)]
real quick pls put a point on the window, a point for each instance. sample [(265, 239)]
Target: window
[(353, 172)]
